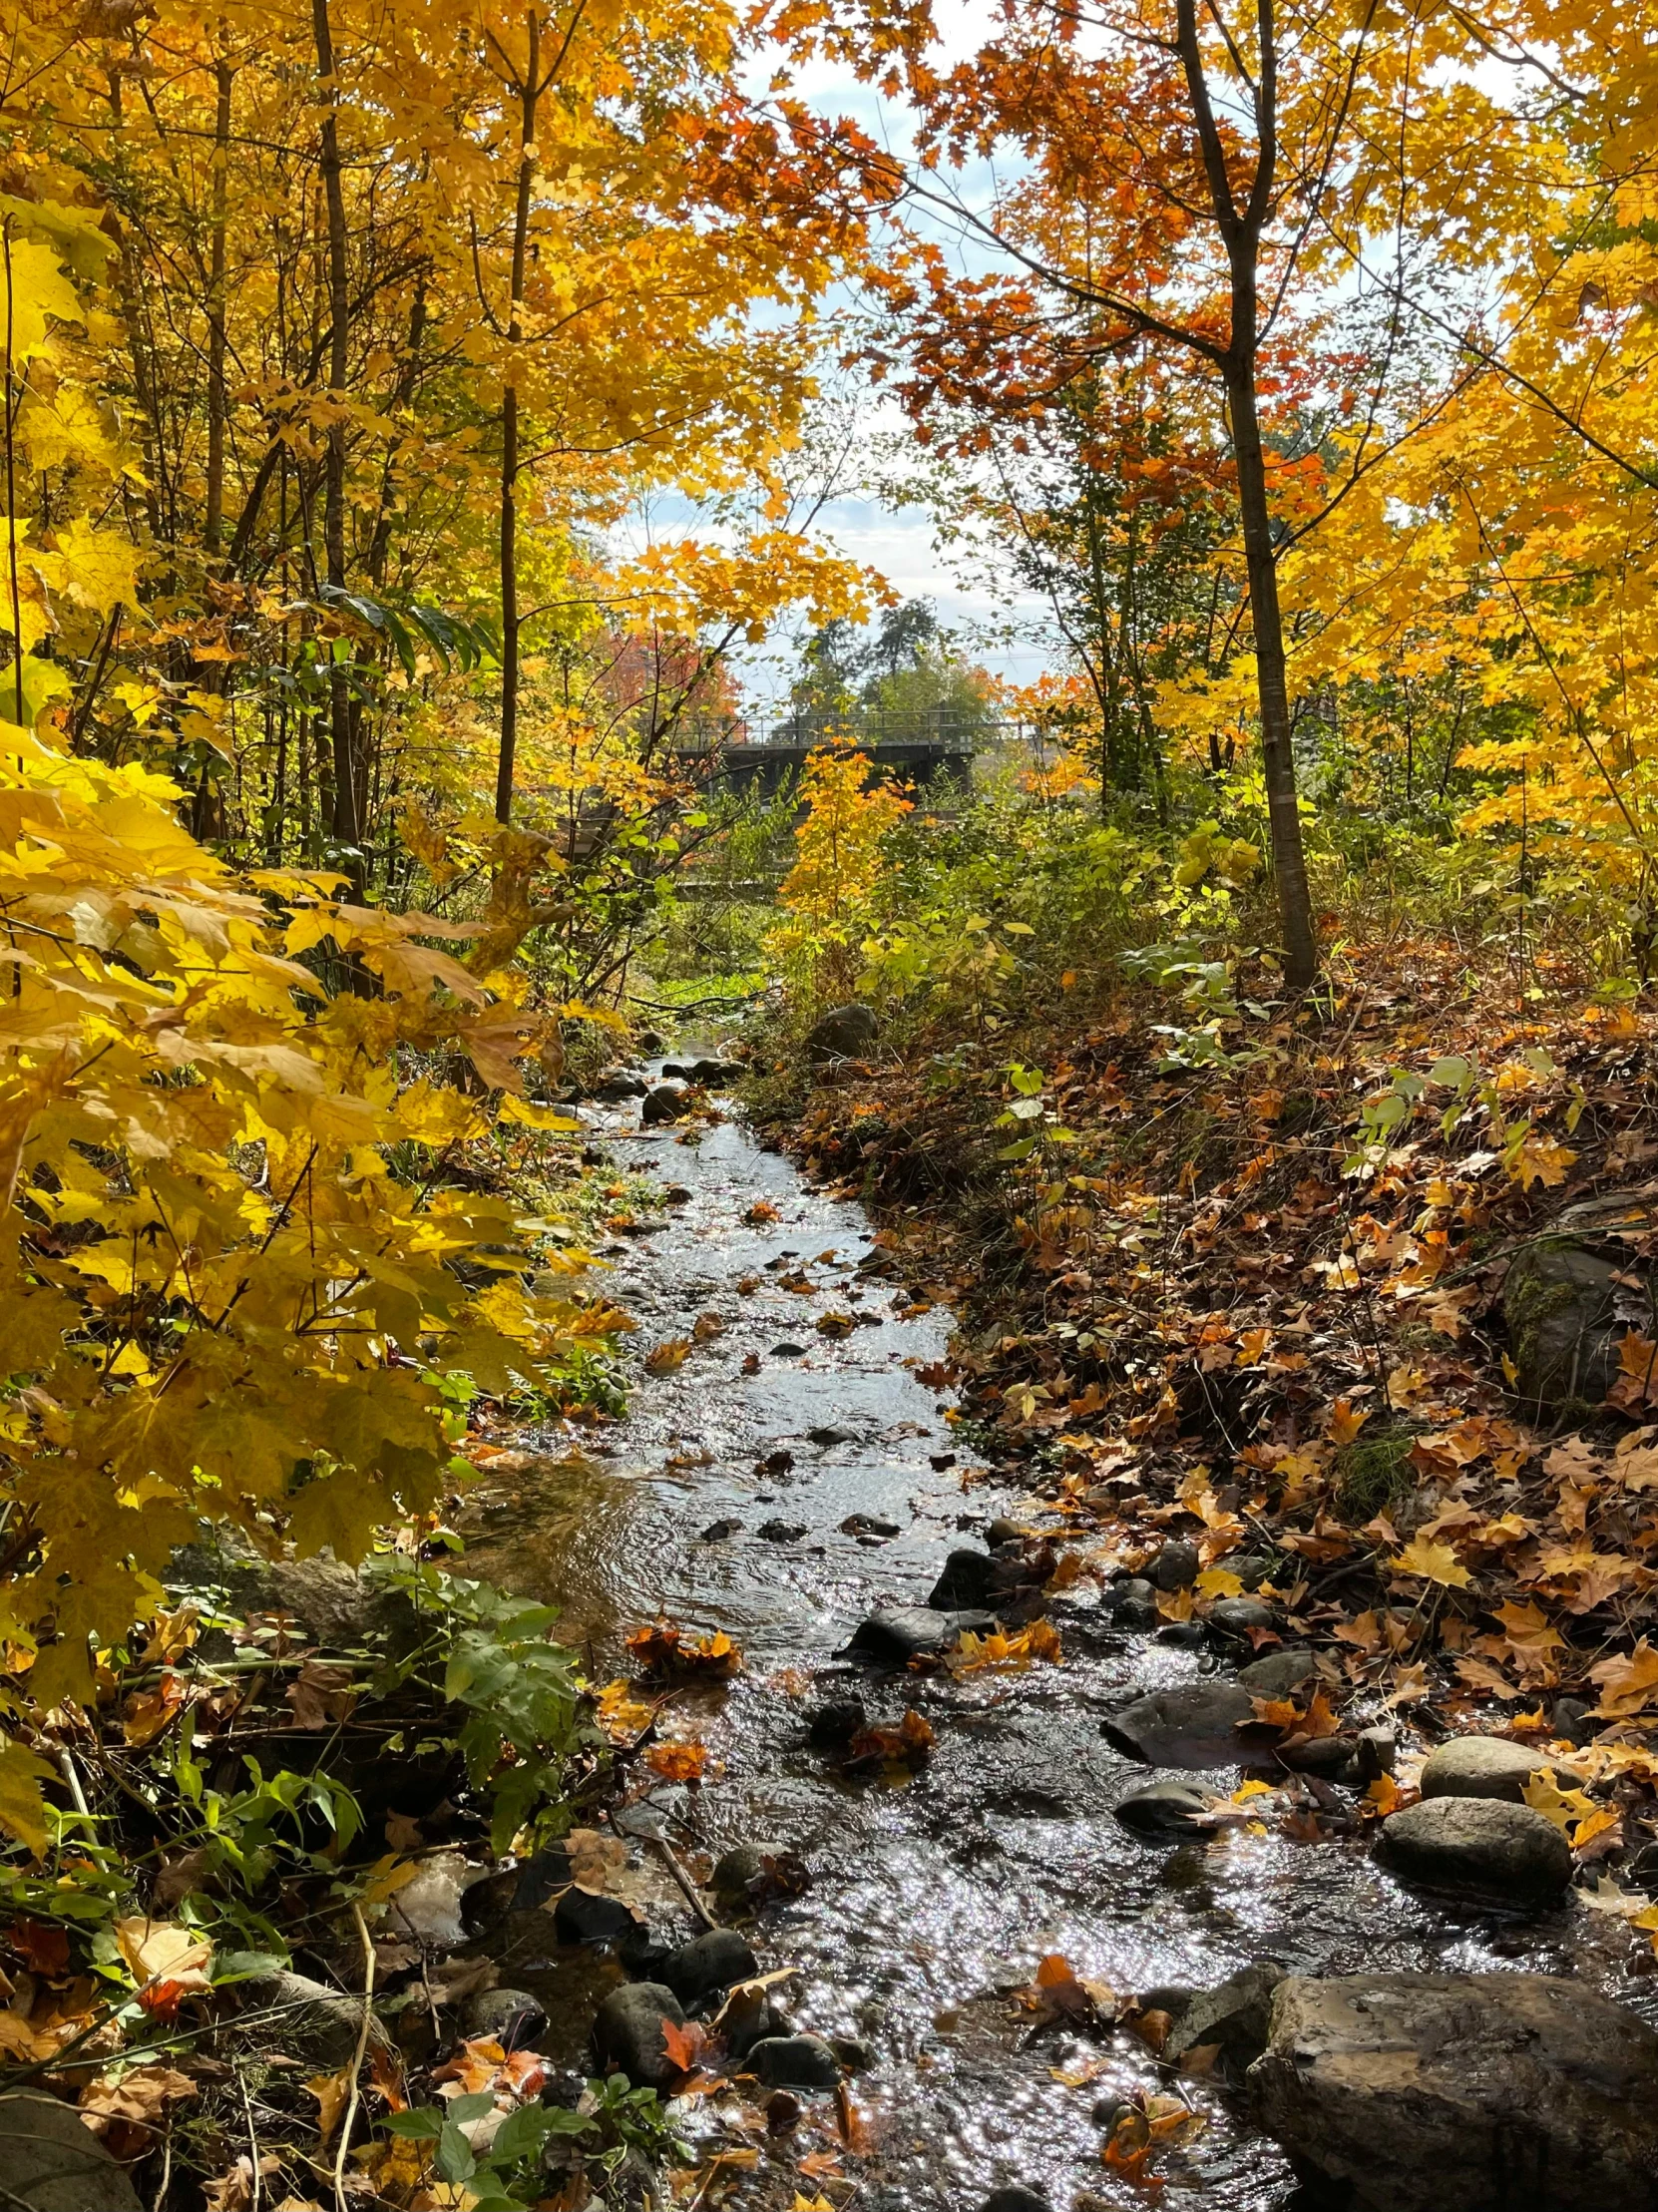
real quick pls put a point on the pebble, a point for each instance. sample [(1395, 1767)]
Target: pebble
[(828, 1437), (743, 1864), (835, 1722), (1015, 2197), (627, 2032), (1236, 1616), (868, 1525), (794, 2062), (712, 1962), (788, 1352), (1165, 1809), (510, 2017), (968, 1579), (1571, 1718), (1278, 1673), (1005, 1531), (718, 1531), (666, 1102), (580, 1917), (781, 1531), (909, 1630), (1193, 1724), (1177, 1566)]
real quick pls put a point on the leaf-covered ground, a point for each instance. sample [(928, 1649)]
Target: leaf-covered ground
[(1260, 1308)]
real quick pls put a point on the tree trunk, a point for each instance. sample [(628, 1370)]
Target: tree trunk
[(1289, 860), (346, 827), (214, 524), (1240, 227), (528, 92)]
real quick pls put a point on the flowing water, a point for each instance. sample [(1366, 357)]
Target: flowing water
[(931, 1902)]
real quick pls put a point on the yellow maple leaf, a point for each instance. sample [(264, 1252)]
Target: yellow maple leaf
[(1433, 1562), (1627, 1684), (1564, 1807), (1541, 1160)]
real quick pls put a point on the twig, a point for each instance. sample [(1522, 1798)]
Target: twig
[(166, 2173), (72, 1775), (684, 1881), (357, 2063), (256, 2184)]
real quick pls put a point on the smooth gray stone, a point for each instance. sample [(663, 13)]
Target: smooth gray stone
[(1195, 1724), (1480, 1766), (1478, 1846), (794, 2062)]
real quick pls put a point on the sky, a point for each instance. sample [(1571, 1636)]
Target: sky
[(1004, 630)]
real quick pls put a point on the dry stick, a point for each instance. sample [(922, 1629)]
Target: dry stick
[(684, 1881), (357, 2061), (255, 2184)]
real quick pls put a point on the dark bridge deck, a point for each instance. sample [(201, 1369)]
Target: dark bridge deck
[(775, 767)]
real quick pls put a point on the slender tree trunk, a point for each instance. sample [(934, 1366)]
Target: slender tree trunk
[(1289, 860), (346, 827), (214, 525), (1240, 227), (528, 92)]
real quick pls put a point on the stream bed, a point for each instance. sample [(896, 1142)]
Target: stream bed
[(932, 1902)]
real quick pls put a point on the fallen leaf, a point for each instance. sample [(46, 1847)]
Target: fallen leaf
[(677, 1761), (909, 1744), (233, 2190), (685, 2045), (1628, 1685), (166, 1960), (668, 1357), (43, 1947), (1346, 1420), (321, 1694), (664, 1649), (1433, 1562), (1541, 1160), (331, 2091)]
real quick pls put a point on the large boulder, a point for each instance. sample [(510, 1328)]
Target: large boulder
[(51, 2161), (843, 1033), (1481, 1766), (1478, 1847), (1483, 2092), (1559, 1301), (1195, 1724)]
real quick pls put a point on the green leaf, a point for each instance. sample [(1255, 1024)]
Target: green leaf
[(453, 2157), (421, 2124)]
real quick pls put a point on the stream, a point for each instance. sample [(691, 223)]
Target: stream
[(932, 1902)]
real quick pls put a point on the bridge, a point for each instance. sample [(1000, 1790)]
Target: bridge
[(772, 764)]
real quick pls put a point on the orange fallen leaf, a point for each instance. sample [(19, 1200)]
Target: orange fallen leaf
[(679, 1761), (664, 1649)]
